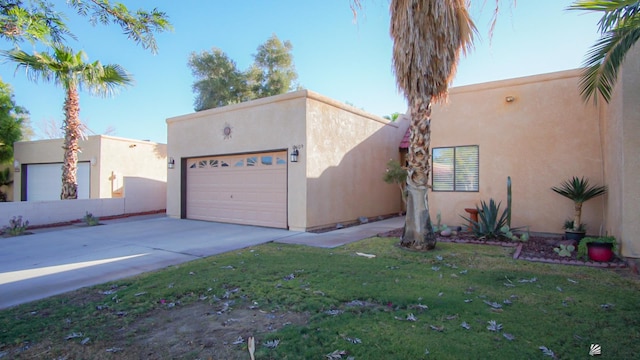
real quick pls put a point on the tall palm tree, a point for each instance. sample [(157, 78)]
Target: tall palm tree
[(68, 70), (620, 30), (428, 36)]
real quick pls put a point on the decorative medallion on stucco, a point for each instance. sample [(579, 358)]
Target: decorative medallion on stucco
[(226, 131)]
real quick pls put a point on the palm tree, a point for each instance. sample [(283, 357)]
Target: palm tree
[(579, 190), (68, 70), (428, 36), (620, 30)]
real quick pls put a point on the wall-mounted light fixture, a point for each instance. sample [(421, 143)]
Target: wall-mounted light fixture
[(294, 154), (171, 163), (16, 166), (510, 99), (93, 161)]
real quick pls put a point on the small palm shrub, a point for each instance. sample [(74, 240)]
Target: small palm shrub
[(579, 190)]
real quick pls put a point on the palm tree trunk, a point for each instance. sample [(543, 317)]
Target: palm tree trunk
[(418, 231), (577, 216), (71, 138)]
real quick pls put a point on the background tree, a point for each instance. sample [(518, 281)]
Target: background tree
[(69, 70), (38, 20), (619, 31), (220, 83), (53, 129), (5, 180), (12, 122), (393, 117), (428, 36), (273, 71), (396, 174)]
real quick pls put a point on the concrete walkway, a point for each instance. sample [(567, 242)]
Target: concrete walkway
[(57, 260)]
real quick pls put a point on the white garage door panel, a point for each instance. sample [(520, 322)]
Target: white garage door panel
[(44, 181), (251, 190)]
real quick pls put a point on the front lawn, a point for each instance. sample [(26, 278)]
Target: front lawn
[(458, 301)]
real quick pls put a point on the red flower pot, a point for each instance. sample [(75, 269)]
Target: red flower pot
[(600, 252)]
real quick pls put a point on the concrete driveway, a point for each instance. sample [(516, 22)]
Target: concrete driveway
[(56, 261)]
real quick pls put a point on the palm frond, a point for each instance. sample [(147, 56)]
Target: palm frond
[(604, 60), (615, 11), (428, 37), (579, 190), (620, 29)]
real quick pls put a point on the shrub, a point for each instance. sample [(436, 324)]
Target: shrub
[(583, 249), (90, 220), (16, 226)]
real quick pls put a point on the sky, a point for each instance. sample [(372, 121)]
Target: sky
[(345, 58)]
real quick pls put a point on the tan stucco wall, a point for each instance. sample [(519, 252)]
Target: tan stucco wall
[(347, 152), (110, 154), (544, 137), (621, 124), (275, 123), (130, 158)]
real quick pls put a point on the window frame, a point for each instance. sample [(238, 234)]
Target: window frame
[(455, 150)]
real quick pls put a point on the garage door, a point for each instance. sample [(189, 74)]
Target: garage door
[(241, 189), (44, 181)]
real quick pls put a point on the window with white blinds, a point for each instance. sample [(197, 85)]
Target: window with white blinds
[(455, 168)]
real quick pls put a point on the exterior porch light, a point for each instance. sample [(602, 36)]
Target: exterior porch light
[(171, 163), (16, 166), (294, 154)]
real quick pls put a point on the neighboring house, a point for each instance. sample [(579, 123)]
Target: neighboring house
[(237, 163), (103, 163), (538, 131)]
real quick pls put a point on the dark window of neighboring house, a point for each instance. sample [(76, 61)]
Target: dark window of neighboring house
[(455, 168)]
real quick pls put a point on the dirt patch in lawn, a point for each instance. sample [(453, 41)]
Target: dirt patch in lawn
[(195, 331)]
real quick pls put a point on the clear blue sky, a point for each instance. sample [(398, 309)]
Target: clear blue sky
[(334, 56)]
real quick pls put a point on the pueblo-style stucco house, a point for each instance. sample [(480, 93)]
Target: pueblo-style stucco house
[(538, 131), (235, 164), (103, 164), (297, 161)]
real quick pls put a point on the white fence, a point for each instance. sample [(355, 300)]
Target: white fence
[(141, 195)]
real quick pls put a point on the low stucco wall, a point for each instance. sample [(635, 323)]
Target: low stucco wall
[(142, 195), (145, 196), (59, 211), (542, 138)]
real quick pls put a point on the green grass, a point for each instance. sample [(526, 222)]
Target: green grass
[(562, 309)]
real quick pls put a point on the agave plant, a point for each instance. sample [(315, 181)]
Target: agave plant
[(579, 190), (490, 220)]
